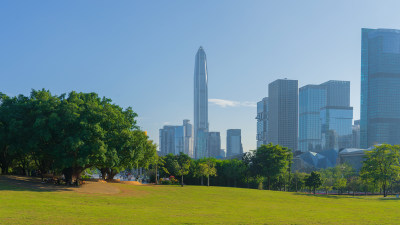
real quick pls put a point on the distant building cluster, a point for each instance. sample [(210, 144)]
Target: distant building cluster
[(323, 117), (197, 141), (314, 121)]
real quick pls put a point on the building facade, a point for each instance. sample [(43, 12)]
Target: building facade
[(380, 85), (214, 144), (262, 122), (356, 134), (283, 113), (188, 138), (233, 142), (200, 105), (311, 99), (336, 127), (172, 140), (337, 116)]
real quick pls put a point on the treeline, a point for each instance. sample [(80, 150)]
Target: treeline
[(66, 134), (269, 167)]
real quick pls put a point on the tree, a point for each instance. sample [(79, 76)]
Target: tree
[(340, 184), (233, 170), (313, 181), (382, 165), (182, 165), (270, 161), (201, 170), (297, 182), (354, 184), (210, 170), (327, 179)]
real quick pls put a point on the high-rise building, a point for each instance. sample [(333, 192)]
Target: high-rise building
[(380, 85), (188, 138), (233, 142), (356, 134), (222, 153), (311, 99), (200, 104), (336, 116), (172, 140), (262, 122), (214, 144), (283, 113)]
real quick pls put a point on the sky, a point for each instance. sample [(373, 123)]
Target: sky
[(141, 53)]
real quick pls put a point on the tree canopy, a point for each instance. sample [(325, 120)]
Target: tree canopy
[(70, 133)]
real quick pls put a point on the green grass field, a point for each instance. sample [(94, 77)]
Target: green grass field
[(22, 204)]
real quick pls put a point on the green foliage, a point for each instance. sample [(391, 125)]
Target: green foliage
[(270, 161), (177, 165), (382, 165), (68, 134), (313, 181)]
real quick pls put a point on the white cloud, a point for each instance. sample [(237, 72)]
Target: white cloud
[(228, 103)]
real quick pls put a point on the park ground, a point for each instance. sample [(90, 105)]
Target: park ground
[(26, 201)]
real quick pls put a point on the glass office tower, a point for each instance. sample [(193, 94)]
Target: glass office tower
[(380, 87), (214, 144), (172, 140), (234, 142), (262, 122), (336, 127), (283, 99), (311, 99), (337, 116), (200, 105)]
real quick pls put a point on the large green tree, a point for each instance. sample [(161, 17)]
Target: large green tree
[(270, 161), (313, 181), (382, 165)]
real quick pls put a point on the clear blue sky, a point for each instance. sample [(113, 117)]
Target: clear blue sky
[(141, 53)]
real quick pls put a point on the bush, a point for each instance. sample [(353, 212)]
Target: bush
[(168, 181)]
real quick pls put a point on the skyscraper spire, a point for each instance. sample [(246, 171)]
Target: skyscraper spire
[(200, 104)]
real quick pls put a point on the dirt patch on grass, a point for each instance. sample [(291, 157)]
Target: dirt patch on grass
[(23, 183)]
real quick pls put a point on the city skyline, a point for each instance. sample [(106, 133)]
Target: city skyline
[(116, 51)]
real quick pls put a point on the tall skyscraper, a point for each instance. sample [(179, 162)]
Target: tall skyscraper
[(200, 105), (311, 99), (172, 140), (188, 138), (283, 113), (214, 144), (336, 116), (233, 142), (325, 116), (356, 134), (380, 85), (262, 122)]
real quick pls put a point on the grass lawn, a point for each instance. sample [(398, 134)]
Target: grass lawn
[(22, 204)]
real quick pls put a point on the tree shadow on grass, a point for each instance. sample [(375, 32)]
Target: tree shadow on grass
[(317, 195), (335, 196), (23, 183)]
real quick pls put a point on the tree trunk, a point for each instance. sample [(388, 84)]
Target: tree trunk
[(4, 169), (103, 172), (156, 173), (314, 190), (269, 183), (201, 180), (384, 190), (208, 180), (182, 181)]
